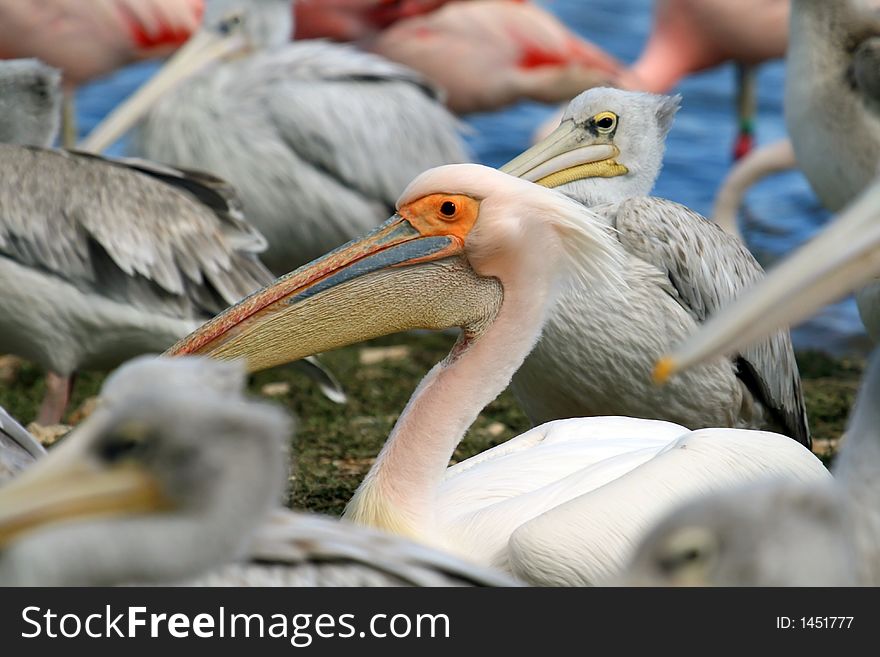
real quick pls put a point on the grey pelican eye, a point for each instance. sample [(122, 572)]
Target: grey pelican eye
[(605, 122), (690, 548), (230, 24), (128, 440)]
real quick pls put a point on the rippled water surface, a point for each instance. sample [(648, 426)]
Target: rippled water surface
[(781, 212)]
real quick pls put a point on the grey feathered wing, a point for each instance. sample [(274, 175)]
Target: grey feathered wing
[(708, 269)]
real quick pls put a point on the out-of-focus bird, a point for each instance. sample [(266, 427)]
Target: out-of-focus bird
[(87, 40), (18, 448), (30, 102), (173, 479), (102, 260), (599, 346), (318, 138), (832, 106), (354, 20), (782, 534), (475, 248), (491, 53)]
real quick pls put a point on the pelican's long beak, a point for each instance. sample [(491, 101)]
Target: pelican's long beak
[(66, 485), (403, 275), (845, 256), (203, 49), (563, 157)]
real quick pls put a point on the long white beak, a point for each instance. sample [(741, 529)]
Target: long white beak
[(845, 256), (204, 48)]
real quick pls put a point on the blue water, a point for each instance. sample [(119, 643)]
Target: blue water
[(781, 212)]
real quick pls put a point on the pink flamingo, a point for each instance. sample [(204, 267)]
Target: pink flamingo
[(87, 40), (484, 54)]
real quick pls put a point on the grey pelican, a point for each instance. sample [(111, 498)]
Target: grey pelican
[(318, 138), (781, 534), (102, 260), (18, 448), (475, 248), (175, 478), (598, 346), (30, 102)]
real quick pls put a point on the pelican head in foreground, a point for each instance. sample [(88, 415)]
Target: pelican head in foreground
[(596, 350), (782, 534), (475, 248), (175, 478), (30, 102)]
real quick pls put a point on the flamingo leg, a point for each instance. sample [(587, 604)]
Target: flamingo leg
[(58, 390)]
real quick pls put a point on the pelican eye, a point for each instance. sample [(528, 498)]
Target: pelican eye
[(229, 24), (128, 441), (448, 209), (688, 549), (605, 122)]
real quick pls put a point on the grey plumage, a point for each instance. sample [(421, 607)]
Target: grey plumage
[(319, 138), (18, 448), (781, 534), (219, 460), (30, 102), (597, 351)]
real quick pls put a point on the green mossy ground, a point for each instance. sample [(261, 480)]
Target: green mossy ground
[(335, 445)]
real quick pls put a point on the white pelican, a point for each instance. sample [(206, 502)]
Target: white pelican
[(475, 248), (318, 138), (174, 479), (783, 534), (102, 260), (599, 345), (18, 448)]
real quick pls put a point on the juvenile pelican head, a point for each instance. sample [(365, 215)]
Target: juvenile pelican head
[(605, 133), (465, 240), (230, 28), (767, 535), (30, 102), (167, 478)]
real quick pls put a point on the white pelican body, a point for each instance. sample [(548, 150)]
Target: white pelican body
[(175, 478), (780, 534), (599, 344), (318, 138), (469, 247)]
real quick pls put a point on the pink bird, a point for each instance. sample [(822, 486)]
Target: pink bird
[(690, 36), (354, 20), (90, 39), (491, 53)]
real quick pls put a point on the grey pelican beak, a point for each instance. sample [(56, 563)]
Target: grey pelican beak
[(845, 256), (203, 49), (69, 484), (408, 273), (563, 157)]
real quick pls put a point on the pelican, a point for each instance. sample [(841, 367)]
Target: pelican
[(475, 248), (831, 104), (30, 102), (18, 448), (103, 260), (176, 478), (318, 138), (87, 40), (598, 347), (843, 257), (781, 534)]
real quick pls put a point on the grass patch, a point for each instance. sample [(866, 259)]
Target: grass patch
[(335, 445)]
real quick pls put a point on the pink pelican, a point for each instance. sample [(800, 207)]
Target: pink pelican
[(475, 248)]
